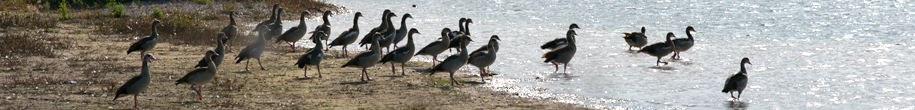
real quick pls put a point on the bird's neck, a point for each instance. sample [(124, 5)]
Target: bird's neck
[(376, 48), (410, 40), (211, 66), (145, 70), (355, 23), (688, 35), (384, 20), (461, 26), (467, 28), (743, 69), (302, 21), (231, 20), (326, 20), (220, 46), (155, 32)]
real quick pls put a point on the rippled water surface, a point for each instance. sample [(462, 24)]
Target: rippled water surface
[(807, 54)]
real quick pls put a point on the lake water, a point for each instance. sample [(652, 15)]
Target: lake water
[(806, 54)]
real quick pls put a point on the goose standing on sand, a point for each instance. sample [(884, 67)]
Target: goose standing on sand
[(231, 30), (295, 33), (436, 47), (276, 29), (388, 35), (262, 28), (367, 59), (387, 14), (660, 49), (219, 50), (402, 54), (148, 43), (137, 84), (484, 58), (402, 32), (636, 39), (562, 54), (683, 44), (347, 37), (737, 82), (486, 47), (314, 55), (453, 62), (558, 41), (324, 27), (464, 33), (200, 76), (253, 50)]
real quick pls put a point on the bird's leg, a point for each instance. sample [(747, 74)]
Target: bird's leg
[(319, 70), (246, 65), (564, 67), (630, 48), (344, 50), (732, 95), (362, 75), (738, 94), (452, 79), (306, 71), (402, 71), (259, 63), (675, 54), (483, 73), (367, 78), (557, 67), (135, 105), (393, 70), (291, 46), (199, 95)]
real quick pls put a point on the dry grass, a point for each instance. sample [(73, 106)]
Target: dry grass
[(15, 46), (28, 20), (299, 5)]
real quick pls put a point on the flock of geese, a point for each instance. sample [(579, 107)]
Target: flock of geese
[(562, 50)]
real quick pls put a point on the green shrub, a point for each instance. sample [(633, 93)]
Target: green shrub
[(117, 9), (157, 13), (64, 11)]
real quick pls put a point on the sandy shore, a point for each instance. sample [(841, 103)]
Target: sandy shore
[(85, 74)]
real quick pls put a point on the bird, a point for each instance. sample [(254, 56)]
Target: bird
[(148, 43), (402, 54), (465, 32), (295, 33), (636, 39), (562, 54), (558, 41), (261, 28), (660, 49), (347, 37), (461, 28), (253, 50), (485, 58), (383, 28), (683, 44), (276, 29), (324, 27), (436, 47), (314, 55), (137, 84), (737, 82), (219, 50), (486, 48), (402, 32), (453, 62), (367, 59), (200, 76), (389, 35), (231, 30)]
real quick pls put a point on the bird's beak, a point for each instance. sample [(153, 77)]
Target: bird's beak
[(215, 54)]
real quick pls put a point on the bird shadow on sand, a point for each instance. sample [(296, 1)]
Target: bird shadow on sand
[(560, 75), (663, 67), (187, 102), (392, 76), (303, 78), (737, 105), (355, 83), (242, 72), (422, 70)]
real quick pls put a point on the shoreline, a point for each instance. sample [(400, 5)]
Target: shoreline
[(84, 74)]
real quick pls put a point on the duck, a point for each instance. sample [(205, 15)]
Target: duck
[(231, 30), (402, 32), (558, 41), (219, 50), (683, 44), (402, 54), (146, 44), (324, 27), (367, 59), (347, 37), (137, 84), (200, 76), (486, 47), (436, 47), (465, 32), (453, 62), (660, 49), (484, 58), (387, 14), (737, 82), (295, 33), (636, 39), (253, 50), (388, 35), (276, 29), (461, 28), (562, 54), (262, 27), (314, 55)]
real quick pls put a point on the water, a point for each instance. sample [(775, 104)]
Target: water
[(806, 54)]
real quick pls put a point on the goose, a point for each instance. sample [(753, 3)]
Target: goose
[(295, 33), (453, 62), (137, 84), (484, 58), (683, 44), (402, 54), (461, 26), (436, 47), (387, 14), (219, 50), (737, 82), (558, 41), (367, 59), (486, 48), (261, 28), (402, 32), (148, 43), (388, 35), (276, 29), (253, 50), (660, 49), (324, 27), (231, 30), (314, 55), (636, 39), (200, 76), (562, 54), (347, 37), (464, 33)]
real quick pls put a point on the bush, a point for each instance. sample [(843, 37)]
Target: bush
[(117, 9), (157, 13), (64, 11)]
